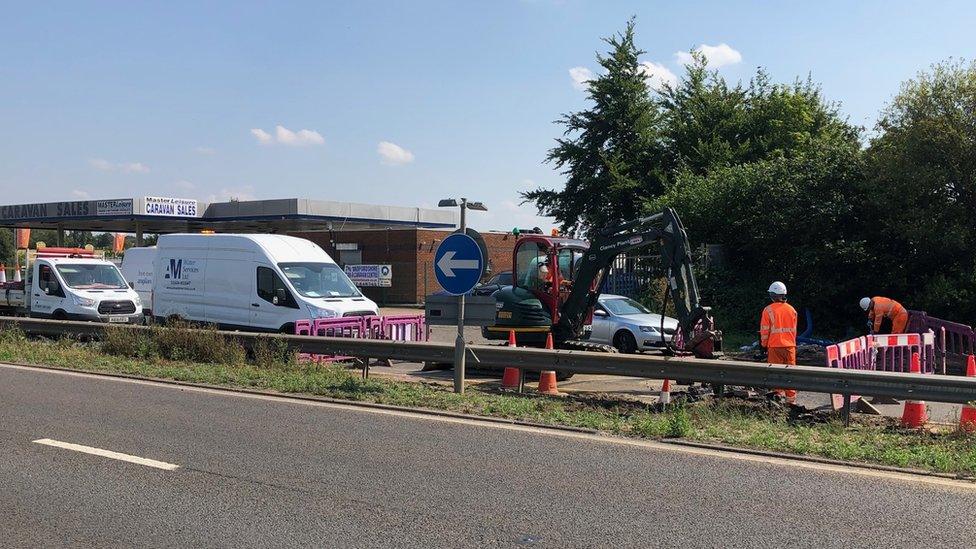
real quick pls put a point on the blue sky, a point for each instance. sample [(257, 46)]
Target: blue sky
[(403, 102)]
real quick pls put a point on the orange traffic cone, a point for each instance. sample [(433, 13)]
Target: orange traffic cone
[(665, 397), (17, 272), (547, 378), (967, 418), (510, 378), (914, 414)]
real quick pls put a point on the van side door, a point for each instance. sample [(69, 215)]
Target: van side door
[(273, 304), (47, 293)]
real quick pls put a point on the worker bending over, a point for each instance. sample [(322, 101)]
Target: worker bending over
[(881, 308), (777, 333)]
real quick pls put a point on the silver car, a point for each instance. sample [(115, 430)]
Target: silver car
[(628, 325)]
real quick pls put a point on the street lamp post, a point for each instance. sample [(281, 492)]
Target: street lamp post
[(459, 344)]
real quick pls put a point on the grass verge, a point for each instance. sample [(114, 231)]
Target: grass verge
[(738, 423)]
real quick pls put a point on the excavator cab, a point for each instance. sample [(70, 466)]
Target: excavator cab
[(546, 267), (544, 270)]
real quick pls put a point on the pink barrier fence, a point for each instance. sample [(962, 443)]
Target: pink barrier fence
[(396, 328), (885, 353), (954, 342), (403, 328)]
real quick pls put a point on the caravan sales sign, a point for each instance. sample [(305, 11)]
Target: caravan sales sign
[(182, 207)]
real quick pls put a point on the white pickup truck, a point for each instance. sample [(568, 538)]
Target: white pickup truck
[(71, 286)]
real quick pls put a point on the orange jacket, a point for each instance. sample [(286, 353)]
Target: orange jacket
[(883, 307), (777, 326)]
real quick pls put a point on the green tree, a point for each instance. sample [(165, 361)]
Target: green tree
[(773, 173), (6, 245), (922, 173), (610, 153)]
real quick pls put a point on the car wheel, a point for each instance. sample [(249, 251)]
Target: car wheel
[(624, 342)]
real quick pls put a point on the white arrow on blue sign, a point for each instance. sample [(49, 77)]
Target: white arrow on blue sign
[(458, 264)]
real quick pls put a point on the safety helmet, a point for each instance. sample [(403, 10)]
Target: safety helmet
[(865, 303), (777, 288)]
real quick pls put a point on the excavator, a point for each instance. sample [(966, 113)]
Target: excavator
[(557, 282)]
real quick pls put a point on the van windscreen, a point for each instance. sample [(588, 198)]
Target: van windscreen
[(319, 280), (97, 276)]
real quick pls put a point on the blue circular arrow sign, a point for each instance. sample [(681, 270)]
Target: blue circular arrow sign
[(458, 264)]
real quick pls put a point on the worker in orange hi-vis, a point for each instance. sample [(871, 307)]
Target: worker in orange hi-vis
[(881, 308), (777, 333)]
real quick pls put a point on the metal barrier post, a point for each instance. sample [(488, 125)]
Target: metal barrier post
[(847, 410)]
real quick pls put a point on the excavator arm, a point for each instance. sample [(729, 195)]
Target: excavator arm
[(694, 321)]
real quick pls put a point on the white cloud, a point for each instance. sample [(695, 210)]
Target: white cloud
[(393, 154), (656, 75), (124, 167), (81, 195), (262, 136), (288, 137), (206, 150), (717, 56), (580, 76), (184, 184)]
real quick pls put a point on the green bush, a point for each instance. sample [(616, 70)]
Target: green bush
[(175, 341), (273, 353)]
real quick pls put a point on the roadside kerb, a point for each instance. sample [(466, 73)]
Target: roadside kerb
[(950, 389)]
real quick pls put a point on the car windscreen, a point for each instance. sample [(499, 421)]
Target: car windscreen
[(82, 276), (624, 306), (319, 280)]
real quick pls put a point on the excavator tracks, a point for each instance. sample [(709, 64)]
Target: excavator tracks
[(577, 345)]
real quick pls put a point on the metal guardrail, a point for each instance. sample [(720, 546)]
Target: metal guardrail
[(952, 389)]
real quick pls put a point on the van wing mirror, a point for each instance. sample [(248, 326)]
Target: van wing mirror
[(281, 296), (600, 313), (132, 285)]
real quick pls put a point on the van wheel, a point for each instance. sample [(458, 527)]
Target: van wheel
[(173, 319), (288, 329), (60, 315)]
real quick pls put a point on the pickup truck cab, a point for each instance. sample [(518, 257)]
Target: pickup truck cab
[(72, 288)]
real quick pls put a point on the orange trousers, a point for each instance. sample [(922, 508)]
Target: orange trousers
[(899, 323), (784, 355)]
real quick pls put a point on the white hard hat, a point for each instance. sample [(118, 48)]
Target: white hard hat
[(777, 288), (865, 303)]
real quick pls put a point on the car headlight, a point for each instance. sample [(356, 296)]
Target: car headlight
[(83, 301), (649, 329), (317, 312)]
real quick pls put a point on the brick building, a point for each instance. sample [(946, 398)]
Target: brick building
[(410, 251)]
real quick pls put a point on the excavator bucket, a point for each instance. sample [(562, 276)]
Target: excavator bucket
[(706, 344)]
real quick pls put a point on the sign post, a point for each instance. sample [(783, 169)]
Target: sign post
[(458, 265)]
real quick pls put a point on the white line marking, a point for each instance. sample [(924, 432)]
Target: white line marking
[(107, 453), (597, 438)]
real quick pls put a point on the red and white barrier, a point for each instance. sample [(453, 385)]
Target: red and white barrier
[(885, 353)]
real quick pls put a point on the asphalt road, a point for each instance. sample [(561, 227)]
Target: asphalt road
[(277, 472)]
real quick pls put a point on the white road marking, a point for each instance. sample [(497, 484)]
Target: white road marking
[(596, 438), (107, 453)]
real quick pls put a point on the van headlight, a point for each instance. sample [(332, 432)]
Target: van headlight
[(317, 312), (83, 301), (649, 329)]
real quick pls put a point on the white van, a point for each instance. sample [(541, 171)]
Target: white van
[(256, 282), (137, 268), (71, 286)]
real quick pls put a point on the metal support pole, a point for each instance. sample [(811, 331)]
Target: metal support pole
[(138, 234), (459, 344), (60, 235), (847, 410)]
